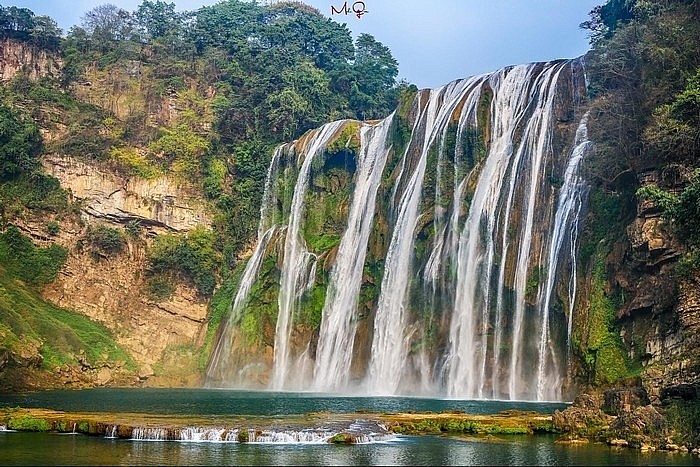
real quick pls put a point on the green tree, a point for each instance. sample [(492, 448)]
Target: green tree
[(45, 33), (20, 144), (108, 23), (674, 132), (157, 19), (374, 72), (606, 18)]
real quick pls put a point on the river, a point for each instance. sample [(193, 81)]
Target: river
[(21, 448)]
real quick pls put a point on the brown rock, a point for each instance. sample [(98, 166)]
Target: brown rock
[(619, 401), (104, 376)]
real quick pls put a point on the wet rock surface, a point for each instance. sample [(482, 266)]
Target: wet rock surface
[(635, 423)]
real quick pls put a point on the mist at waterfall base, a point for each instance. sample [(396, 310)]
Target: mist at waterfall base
[(466, 204)]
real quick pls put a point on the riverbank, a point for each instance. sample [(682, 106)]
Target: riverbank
[(345, 428)]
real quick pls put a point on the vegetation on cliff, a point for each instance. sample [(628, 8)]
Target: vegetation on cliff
[(643, 70), (242, 77), (202, 96)]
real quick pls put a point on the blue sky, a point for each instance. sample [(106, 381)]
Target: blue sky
[(434, 41)]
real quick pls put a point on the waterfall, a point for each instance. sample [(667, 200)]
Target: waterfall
[(297, 269), (390, 343), (565, 228), (220, 365), (331, 370), (459, 212)]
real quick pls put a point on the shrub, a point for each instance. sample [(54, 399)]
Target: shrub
[(33, 265), (106, 240), (192, 257), (27, 422), (132, 162), (52, 228)]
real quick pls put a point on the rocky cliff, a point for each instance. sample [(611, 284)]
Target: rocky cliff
[(659, 317), (162, 335), (21, 58)]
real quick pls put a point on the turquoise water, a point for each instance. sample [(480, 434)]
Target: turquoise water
[(230, 402), (61, 449)]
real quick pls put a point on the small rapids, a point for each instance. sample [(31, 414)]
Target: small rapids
[(354, 432)]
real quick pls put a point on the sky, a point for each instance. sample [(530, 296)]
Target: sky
[(434, 41)]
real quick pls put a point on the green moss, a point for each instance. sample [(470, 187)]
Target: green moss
[(347, 140), (27, 422), (322, 242), (602, 348), (260, 313), (473, 150), (324, 224), (310, 309), (406, 99), (400, 136), (340, 438), (533, 281), (483, 113)]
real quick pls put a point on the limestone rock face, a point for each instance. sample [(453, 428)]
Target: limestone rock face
[(19, 57), (584, 418), (624, 400), (674, 347), (659, 316), (111, 291), (159, 203)]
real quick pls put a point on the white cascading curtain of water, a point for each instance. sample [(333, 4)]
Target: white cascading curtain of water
[(219, 363), (475, 247), (336, 339), (565, 229), (483, 248), (538, 143), (295, 275), (390, 338)]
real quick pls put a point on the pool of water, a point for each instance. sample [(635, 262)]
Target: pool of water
[(55, 449), (19, 448), (231, 402)]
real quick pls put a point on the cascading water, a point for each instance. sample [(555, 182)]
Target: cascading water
[(220, 365), (565, 229), (390, 343), (296, 268), (337, 329), (454, 247)]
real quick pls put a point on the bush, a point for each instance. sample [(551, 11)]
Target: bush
[(193, 257), (133, 163), (20, 143), (106, 240), (33, 265), (52, 228), (27, 422)]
